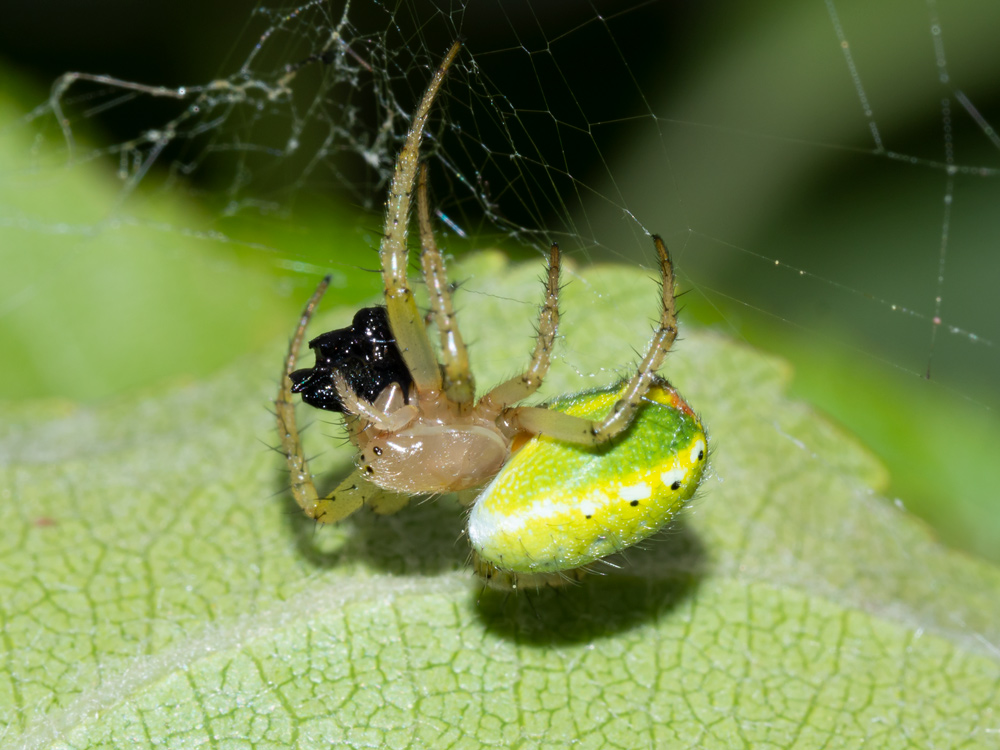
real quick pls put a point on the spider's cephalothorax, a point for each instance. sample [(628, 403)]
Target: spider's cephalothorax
[(420, 429)]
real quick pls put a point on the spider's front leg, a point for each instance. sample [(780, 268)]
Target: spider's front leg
[(404, 319), (354, 491), (458, 383), (541, 421), (387, 413)]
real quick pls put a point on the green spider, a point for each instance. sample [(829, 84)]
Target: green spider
[(572, 482)]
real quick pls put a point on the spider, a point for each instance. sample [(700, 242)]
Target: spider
[(417, 423)]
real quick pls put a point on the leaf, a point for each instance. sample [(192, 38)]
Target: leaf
[(95, 299), (161, 590)]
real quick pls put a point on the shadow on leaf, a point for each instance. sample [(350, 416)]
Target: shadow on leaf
[(626, 591), (425, 538)]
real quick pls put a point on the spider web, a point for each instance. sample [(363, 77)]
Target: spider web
[(826, 173)]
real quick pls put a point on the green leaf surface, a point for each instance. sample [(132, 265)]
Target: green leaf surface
[(96, 298), (161, 590)]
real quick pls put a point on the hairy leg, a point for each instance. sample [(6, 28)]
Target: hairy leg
[(459, 384), (404, 318), (523, 385), (541, 421), (388, 413), (354, 491)]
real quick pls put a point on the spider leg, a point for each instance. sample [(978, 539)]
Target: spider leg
[(404, 318), (572, 429), (523, 385), (374, 414), (354, 491), (623, 412), (350, 495), (387, 503), (459, 384)]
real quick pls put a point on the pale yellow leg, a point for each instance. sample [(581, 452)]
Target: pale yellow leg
[(387, 503), (404, 318), (521, 386), (459, 384), (350, 495), (561, 426), (354, 491), (382, 419)]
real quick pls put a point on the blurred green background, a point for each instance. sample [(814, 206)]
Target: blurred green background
[(737, 131)]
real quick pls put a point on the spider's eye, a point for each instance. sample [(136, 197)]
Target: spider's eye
[(365, 353)]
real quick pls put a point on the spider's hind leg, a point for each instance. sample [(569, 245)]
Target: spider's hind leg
[(623, 412), (523, 385), (541, 421)]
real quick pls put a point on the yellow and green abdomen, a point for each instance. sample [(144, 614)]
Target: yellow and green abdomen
[(556, 506)]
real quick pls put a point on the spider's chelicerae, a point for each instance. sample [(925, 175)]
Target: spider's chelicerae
[(420, 429)]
